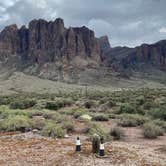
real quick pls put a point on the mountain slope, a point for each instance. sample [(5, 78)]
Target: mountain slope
[(49, 50), (147, 54)]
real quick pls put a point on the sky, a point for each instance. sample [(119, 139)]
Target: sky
[(125, 22)]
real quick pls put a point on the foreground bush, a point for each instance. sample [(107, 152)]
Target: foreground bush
[(33, 112), (158, 113), (78, 112), (160, 123), (68, 126), (53, 130), (140, 100), (6, 112), (128, 120), (16, 123), (55, 105), (100, 117), (152, 131), (5, 100), (127, 108), (22, 104), (38, 123), (89, 104), (94, 128), (117, 133)]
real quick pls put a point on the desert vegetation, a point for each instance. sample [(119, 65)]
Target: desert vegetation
[(95, 115), (55, 114)]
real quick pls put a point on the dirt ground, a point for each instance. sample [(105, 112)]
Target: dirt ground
[(30, 149)]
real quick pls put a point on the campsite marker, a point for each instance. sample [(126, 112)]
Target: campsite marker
[(78, 145), (101, 150)]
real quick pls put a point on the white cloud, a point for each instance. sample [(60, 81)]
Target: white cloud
[(132, 25), (129, 22), (162, 30), (8, 3), (101, 27)]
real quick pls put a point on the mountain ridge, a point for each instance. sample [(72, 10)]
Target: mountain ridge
[(49, 50)]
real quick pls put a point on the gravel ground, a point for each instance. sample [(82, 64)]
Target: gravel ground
[(30, 149)]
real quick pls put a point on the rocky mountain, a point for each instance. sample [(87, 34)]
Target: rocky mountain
[(50, 50), (147, 54), (44, 42)]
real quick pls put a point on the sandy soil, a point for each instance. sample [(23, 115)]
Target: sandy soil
[(33, 150)]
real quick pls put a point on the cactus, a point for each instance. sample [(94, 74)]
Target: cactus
[(95, 143)]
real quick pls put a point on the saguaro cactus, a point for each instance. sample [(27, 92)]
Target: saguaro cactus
[(95, 143)]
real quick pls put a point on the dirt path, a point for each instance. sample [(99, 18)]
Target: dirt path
[(34, 150)]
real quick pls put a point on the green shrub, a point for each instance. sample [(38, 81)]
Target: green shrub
[(160, 123), (54, 105), (127, 108), (34, 112), (110, 103), (47, 114), (68, 125), (53, 130), (149, 104), (67, 102), (100, 117), (140, 100), (16, 123), (89, 104), (129, 120), (38, 124), (158, 113), (117, 133), (40, 105), (58, 118), (152, 131), (94, 128), (5, 100), (22, 104), (6, 112), (78, 112)]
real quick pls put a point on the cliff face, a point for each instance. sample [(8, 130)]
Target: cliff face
[(124, 57), (44, 42)]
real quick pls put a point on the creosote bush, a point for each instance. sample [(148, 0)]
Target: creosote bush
[(38, 124), (94, 128), (131, 120), (127, 108), (100, 117), (117, 133), (16, 123), (160, 123), (152, 131), (89, 104), (22, 104), (68, 125), (53, 130), (54, 105), (158, 113), (78, 112), (140, 100), (57, 104), (6, 112)]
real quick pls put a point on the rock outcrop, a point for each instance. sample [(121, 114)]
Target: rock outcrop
[(52, 44), (148, 54), (44, 42)]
